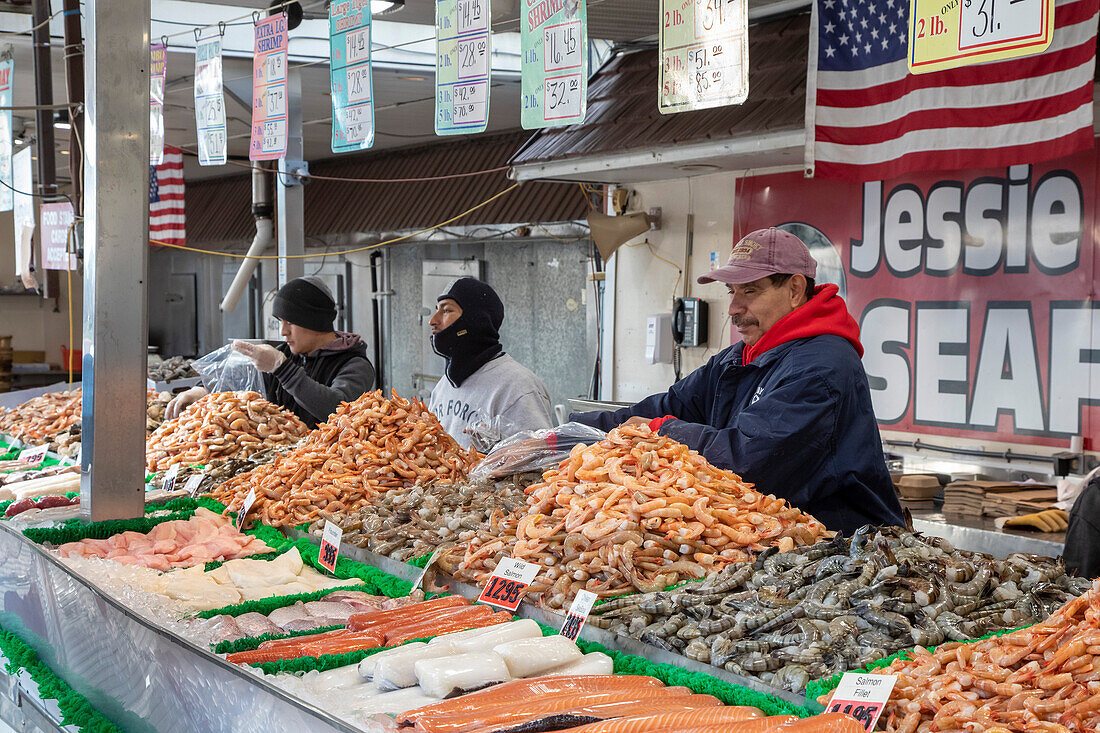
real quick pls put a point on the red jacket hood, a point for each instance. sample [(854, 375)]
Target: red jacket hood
[(824, 314)]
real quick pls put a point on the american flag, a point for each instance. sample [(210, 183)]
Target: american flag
[(868, 118), (166, 216)]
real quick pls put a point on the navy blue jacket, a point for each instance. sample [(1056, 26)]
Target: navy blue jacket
[(796, 422)]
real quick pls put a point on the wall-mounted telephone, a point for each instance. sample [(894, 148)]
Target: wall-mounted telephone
[(690, 322)]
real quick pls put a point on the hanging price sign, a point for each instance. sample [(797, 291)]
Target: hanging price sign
[(248, 502), (158, 70), (7, 79), (554, 41), (350, 76), (209, 100), (862, 696), (945, 35), (463, 66), (704, 54), (170, 477), (269, 118), (192, 485), (508, 583), (330, 546), (578, 612), (34, 456)]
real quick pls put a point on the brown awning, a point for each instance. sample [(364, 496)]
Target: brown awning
[(219, 210)]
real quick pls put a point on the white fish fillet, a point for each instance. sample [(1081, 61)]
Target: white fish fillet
[(398, 670), (443, 676), (395, 702), (368, 665), (531, 657), (594, 663), (476, 640)]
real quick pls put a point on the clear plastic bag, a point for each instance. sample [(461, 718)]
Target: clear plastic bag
[(534, 450), (226, 370)]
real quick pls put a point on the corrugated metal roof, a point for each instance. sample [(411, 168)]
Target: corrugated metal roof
[(622, 101), (219, 210)]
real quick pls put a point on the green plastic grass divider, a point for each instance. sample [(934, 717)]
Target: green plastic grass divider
[(322, 663), (251, 643), (267, 605), (215, 564), (75, 708), (74, 530), (826, 685)]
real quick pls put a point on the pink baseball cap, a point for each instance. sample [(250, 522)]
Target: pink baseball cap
[(761, 253)]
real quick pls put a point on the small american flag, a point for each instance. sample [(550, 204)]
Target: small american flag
[(166, 215), (868, 118)]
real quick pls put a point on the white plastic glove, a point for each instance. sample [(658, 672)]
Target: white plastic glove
[(267, 358), (182, 401)]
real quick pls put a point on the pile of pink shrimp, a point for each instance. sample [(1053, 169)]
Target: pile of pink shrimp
[(1042, 678), (635, 512)]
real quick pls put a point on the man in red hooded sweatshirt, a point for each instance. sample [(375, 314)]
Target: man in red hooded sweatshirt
[(788, 408)]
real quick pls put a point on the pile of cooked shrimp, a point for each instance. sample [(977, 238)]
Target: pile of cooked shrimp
[(635, 512), (1042, 678), (368, 446)]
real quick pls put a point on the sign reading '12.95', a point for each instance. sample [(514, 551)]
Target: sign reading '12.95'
[(554, 40), (508, 583), (944, 35), (704, 54), (269, 116), (463, 66), (350, 75)]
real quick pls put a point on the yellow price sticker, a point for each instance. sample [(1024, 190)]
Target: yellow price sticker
[(945, 34)]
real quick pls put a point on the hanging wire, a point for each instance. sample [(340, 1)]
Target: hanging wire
[(386, 243), (32, 28)]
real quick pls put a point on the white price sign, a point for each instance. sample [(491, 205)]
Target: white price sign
[(248, 502), (862, 696), (330, 546), (192, 485), (170, 477), (420, 578), (508, 583), (578, 612), (34, 456)]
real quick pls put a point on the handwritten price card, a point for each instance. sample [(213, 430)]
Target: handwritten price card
[(862, 696), (7, 73), (704, 54), (463, 66), (351, 75), (269, 118), (33, 457), (508, 583), (158, 70), (209, 101), (554, 41), (944, 34)]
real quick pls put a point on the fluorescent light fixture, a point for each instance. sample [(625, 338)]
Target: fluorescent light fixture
[(381, 7), (62, 125), (61, 121)]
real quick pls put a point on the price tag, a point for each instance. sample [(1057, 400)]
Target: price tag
[(248, 502), (150, 384), (578, 612), (508, 583), (420, 578), (947, 35), (170, 477), (192, 485), (862, 696), (34, 456), (330, 546)]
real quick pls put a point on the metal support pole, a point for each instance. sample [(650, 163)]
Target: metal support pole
[(43, 127), (116, 146), (74, 83), (290, 199)]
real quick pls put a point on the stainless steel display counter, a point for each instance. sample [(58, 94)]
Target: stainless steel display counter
[(132, 670), (981, 534)]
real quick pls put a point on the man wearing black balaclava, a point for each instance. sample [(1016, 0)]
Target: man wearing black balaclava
[(485, 395), (316, 368)]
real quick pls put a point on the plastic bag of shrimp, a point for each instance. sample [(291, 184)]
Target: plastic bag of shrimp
[(534, 450), (226, 370)]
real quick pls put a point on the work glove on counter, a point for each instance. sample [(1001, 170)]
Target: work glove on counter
[(267, 358), (182, 401), (1051, 520)]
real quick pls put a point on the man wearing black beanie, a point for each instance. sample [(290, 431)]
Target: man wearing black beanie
[(485, 395), (316, 368)]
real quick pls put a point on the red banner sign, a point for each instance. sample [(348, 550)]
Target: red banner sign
[(974, 292)]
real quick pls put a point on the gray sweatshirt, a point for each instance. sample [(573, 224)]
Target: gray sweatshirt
[(498, 400)]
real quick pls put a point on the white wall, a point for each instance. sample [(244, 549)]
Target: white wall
[(644, 284)]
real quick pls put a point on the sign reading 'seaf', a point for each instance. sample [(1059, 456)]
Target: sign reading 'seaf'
[(974, 292)]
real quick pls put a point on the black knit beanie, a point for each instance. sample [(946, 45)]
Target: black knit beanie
[(306, 302)]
